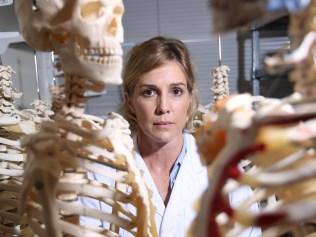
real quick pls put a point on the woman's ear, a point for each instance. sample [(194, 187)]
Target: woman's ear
[(190, 109), (128, 102)]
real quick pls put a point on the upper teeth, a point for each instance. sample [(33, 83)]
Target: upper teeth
[(105, 51)]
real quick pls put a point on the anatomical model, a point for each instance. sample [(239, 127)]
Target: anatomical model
[(279, 138), (58, 96), (220, 86), (220, 89), (39, 112), (66, 155), (13, 126)]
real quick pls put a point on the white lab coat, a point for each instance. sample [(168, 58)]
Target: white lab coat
[(175, 219), (192, 180)]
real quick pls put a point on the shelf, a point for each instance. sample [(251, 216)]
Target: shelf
[(276, 27)]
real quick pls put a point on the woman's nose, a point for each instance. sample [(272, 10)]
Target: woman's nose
[(162, 105)]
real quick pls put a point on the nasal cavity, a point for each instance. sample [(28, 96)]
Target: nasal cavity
[(112, 27)]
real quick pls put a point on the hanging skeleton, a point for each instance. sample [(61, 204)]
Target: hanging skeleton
[(58, 96), (220, 89), (220, 86), (279, 138), (39, 112), (12, 128), (80, 175)]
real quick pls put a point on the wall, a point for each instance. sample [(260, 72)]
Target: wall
[(187, 20)]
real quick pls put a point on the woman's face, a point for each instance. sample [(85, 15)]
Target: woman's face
[(161, 103)]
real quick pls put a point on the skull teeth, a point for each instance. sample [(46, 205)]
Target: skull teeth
[(100, 55), (100, 52), (106, 60)]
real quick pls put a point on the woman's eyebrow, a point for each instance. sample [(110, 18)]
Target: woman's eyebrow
[(147, 85), (179, 84), (155, 86)]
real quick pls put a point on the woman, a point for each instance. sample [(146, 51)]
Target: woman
[(160, 101)]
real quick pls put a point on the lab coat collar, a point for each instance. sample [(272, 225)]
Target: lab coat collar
[(188, 177), (191, 174), (157, 200)]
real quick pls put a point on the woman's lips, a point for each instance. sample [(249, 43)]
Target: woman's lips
[(162, 124)]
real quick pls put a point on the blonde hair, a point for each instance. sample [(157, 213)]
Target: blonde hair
[(150, 55)]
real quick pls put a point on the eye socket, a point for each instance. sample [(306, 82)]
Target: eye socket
[(118, 10), (92, 10), (34, 6)]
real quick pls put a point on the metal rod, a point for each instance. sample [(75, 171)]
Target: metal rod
[(36, 76), (219, 50), (255, 82), (53, 63)]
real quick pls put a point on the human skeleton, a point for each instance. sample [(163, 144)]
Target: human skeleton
[(220, 90), (67, 151), (13, 126), (220, 87), (279, 138)]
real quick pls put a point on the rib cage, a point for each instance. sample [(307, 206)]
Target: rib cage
[(277, 140), (67, 155)]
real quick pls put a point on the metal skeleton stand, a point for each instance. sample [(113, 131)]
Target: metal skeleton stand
[(219, 50), (36, 76), (255, 80), (220, 86), (54, 82)]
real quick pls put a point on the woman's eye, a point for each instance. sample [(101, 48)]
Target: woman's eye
[(148, 92), (177, 91)]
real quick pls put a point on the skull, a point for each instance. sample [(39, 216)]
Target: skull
[(86, 34), (34, 20)]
